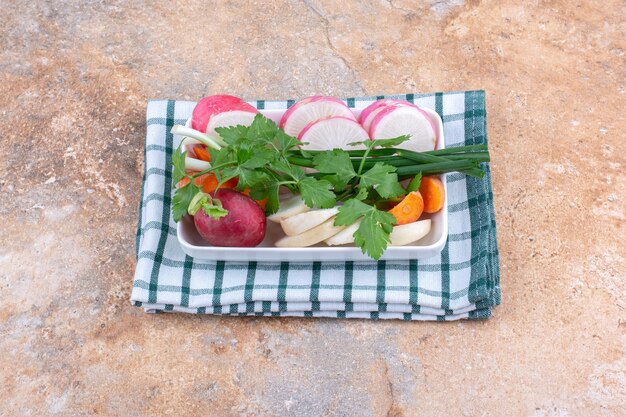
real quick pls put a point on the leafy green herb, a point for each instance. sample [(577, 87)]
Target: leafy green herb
[(182, 199), (372, 236), (317, 193), (415, 183), (382, 178), (178, 164)]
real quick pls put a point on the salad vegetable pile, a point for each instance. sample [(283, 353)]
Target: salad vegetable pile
[(320, 172)]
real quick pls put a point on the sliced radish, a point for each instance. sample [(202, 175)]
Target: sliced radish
[(311, 109), (408, 233), (311, 236), (302, 222), (345, 236), (394, 121), (288, 208), (230, 118), (331, 133), (368, 113), (212, 105)]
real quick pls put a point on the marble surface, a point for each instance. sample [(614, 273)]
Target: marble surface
[(74, 81)]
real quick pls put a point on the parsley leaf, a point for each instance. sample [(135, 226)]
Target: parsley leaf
[(232, 134), (285, 142), (338, 163), (181, 200), (178, 164), (294, 171), (259, 158), (262, 129), (415, 183), (271, 206), (383, 143), (317, 193), (350, 211), (383, 178), (372, 236)]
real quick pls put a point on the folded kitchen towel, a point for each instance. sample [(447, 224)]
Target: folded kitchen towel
[(461, 282)]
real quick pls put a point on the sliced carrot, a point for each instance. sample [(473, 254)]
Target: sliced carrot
[(202, 153), (185, 180), (210, 183), (433, 193), (409, 209)]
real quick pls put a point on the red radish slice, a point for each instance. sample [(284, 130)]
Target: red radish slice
[(229, 118), (311, 109), (331, 133), (370, 112), (366, 116), (211, 105), (394, 121)]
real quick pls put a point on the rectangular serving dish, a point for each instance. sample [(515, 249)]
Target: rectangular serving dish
[(430, 245)]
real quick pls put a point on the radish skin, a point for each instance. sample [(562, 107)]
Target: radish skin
[(288, 208), (302, 222), (311, 236)]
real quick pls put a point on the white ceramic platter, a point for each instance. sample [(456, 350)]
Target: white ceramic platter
[(430, 245)]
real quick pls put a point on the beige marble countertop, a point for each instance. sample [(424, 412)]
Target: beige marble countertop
[(74, 81)]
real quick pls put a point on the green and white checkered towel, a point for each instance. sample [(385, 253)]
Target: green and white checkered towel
[(462, 282)]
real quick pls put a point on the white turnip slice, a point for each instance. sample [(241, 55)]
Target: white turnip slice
[(311, 109), (345, 236), (407, 233), (300, 223), (288, 208), (394, 121), (331, 133), (311, 236)]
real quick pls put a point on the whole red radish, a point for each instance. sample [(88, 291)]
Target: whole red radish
[(243, 226), (214, 105)]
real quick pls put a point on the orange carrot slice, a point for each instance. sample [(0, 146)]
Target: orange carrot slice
[(433, 193), (409, 209), (202, 154)]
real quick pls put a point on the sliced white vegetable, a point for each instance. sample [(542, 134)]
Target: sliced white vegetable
[(229, 118), (193, 164), (311, 236), (311, 109), (394, 121), (345, 236), (331, 133), (211, 142), (288, 208), (408, 233), (302, 222)]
